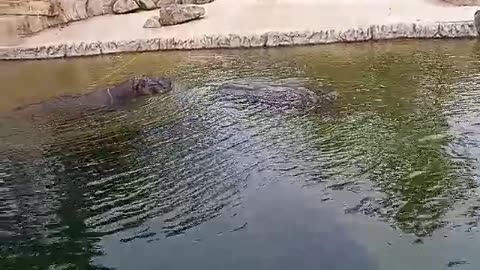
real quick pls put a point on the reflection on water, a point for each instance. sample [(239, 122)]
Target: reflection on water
[(194, 179)]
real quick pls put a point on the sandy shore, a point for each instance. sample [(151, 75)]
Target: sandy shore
[(254, 23)]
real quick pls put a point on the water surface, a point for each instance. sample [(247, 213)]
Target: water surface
[(385, 178)]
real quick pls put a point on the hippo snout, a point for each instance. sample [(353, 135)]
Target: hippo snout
[(146, 85)]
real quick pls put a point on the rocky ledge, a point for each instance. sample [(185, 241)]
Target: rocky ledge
[(175, 14), (460, 29)]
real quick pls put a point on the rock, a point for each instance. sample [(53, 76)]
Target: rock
[(418, 241), (125, 6), (72, 10), (196, 2), (99, 7), (477, 21), (152, 22), (463, 2), (161, 3), (35, 7), (456, 263), (146, 4), (176, 14)]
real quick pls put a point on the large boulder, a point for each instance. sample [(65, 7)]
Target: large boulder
[(100, 7), (161, 3), (125, 6), (28, 17), (72, 10), (33, 7), (463, 2), (477, 21), (177, 14), (196, 2), (146, 4)]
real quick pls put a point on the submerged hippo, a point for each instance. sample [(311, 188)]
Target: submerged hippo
[(111, 97), (275, 95)]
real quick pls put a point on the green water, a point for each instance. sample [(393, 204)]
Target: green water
[(385, 178)]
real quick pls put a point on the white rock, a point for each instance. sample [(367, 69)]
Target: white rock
[(176, 14), (161, 3), (124, 6), (196, 2), (99, 7), (146, 4), (152, 22)]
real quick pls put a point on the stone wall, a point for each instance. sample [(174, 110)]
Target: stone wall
[(270, 39)]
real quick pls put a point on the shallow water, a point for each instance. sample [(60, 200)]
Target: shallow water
[(385, 178)]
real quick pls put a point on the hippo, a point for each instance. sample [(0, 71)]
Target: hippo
[(275, 95), (113, 97)]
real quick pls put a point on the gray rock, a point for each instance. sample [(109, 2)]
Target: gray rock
[(125, 6), (477, 21), (161, 3), (32, 8), (463, 2), (72, 10), (196, 2), (146, 4), (176, 14), (152, 22), (99, 7)]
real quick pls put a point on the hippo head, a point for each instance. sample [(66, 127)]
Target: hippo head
[(147, 86)]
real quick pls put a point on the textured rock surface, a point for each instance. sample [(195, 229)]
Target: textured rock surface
[(37, 16), (33, 7), (161, 3), (146, 4), (73, 10), (463, 2), (269, 39), (477, 20), (19, 17), (125, 6), (176, 14), (196, 2), (99, 7), (152, 22)]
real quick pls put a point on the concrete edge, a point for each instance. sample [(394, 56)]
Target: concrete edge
[(437, 30)]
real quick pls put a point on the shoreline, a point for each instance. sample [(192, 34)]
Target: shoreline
[(252, 24), (439, 30)]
